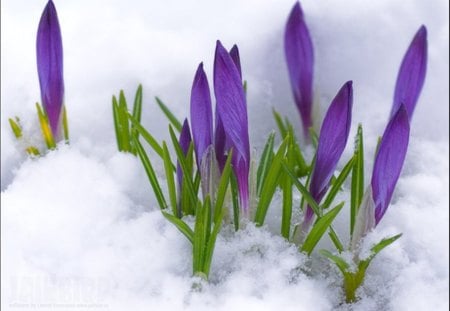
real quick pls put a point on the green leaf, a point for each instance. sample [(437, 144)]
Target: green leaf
[(170, 116), (319, 228), (117, 127), (270, 184), (187, 173), (314, 137), (286, 187), (137, 112), (235, 201), (335, 239), (150, 174), (340, 263), (16, 128), (339, 181), (123, 119), (181, 226), (357, 188), (147, 136), (45, 127), (222, 188), (378, 248), (212, 242), (170, 179), (264, 163), (280, 123), (305, 193), (65, 124)]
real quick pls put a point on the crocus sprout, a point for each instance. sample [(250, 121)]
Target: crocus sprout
[(299, 54), (332, 141), (50, 68), (411, 75)]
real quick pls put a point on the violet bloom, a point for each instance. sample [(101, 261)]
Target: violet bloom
[(231, 125), (411, 75), (386, 171), (231, 108), (332, 141), (299, 53), (50, 67), (184, 141)]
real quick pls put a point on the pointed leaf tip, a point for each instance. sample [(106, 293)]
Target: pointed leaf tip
[(389, 161)]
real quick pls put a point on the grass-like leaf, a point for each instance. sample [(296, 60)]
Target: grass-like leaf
[(181, 226), (338, 261), (280, 123), (170, 116), (168, 169), (337, 184), (137, 112), (319, 228), (264, 163), (185, 167), (357, 188), (16, 128), (150, 174), (235, 201), (65, 124), (123, 122), (305, 193), (147, 136), (286, 187), (45, 127), (222, 188), (270, 184), (117, 126)]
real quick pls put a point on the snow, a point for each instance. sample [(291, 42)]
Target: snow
[(80, 227)]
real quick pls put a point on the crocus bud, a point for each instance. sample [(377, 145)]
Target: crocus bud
[(50, 68), (232, 111), (386, 171), (332, 141), (299, 54), (411, 75)]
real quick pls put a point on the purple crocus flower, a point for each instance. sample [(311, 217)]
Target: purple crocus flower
[(332, 141), (299, 53), (231, 125), (184, 141), (201, 114), (50, 67), (232, 111), (389, 161), (411, 75), (386, 171)]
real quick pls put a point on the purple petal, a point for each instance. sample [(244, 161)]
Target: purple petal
[(201, 114), (50, 66), (184, 141), (411, 75), (389, 161), (299, 53), (332, 141), (232, 111), (234, 53), (220, 143)]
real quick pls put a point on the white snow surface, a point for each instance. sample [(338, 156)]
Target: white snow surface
[(79, 226)]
